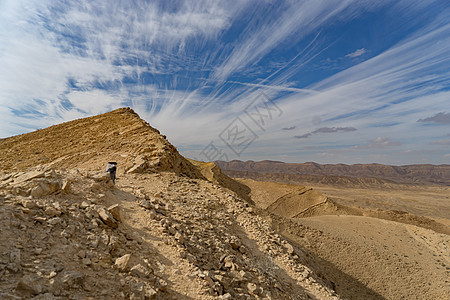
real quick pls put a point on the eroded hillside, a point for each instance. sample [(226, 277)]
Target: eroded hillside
[(162, 232), (120, 135)]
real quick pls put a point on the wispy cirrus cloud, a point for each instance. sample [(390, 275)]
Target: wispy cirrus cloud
[(290, 20), (326, 130), (440, 118), (357, 53), (191, 67)]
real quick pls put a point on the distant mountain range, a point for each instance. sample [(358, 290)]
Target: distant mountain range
[(410, 174)]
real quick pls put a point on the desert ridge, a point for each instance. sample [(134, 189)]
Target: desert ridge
[(169, 228)]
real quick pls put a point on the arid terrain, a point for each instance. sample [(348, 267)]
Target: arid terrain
[(174, 228), (411, 174), (168, 229), (389, 235)]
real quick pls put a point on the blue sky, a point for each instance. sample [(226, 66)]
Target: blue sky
[(348, 81)]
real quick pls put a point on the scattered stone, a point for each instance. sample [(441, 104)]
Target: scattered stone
[(81, 253), (72, 279), (66, 185), (107, 218), (139, 271), (122, 262), (251, 287), (40, 219), (54, 221), (179, 238), (145, 204), (29, 204), (29, 285), (150, 293), (114, 210), (52, 212), (45, 188), (235, 244), (289, 248)]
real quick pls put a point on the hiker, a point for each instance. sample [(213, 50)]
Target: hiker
[(111, 168)]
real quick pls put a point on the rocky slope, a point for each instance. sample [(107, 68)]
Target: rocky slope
[(164, 231), (416, 174)]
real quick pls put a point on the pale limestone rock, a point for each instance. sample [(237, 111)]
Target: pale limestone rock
[(28, 176), (123, 262), (114, 210), (107, 218), (66, 185), (139, 271), (289, 248), (45, 188)]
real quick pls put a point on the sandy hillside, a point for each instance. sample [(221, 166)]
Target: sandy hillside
[(164, 231), (366, 253), (89, 143)]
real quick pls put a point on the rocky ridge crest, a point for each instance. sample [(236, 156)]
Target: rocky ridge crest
[(162, 232)]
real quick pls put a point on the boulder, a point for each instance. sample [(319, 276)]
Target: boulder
[(29, 285), (123, 262), (114, 210), (107, 218), (45, 188)]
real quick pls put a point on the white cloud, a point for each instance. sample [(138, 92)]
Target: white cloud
[(112, 43), (296, 21), (94, 101), (357, 53)]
